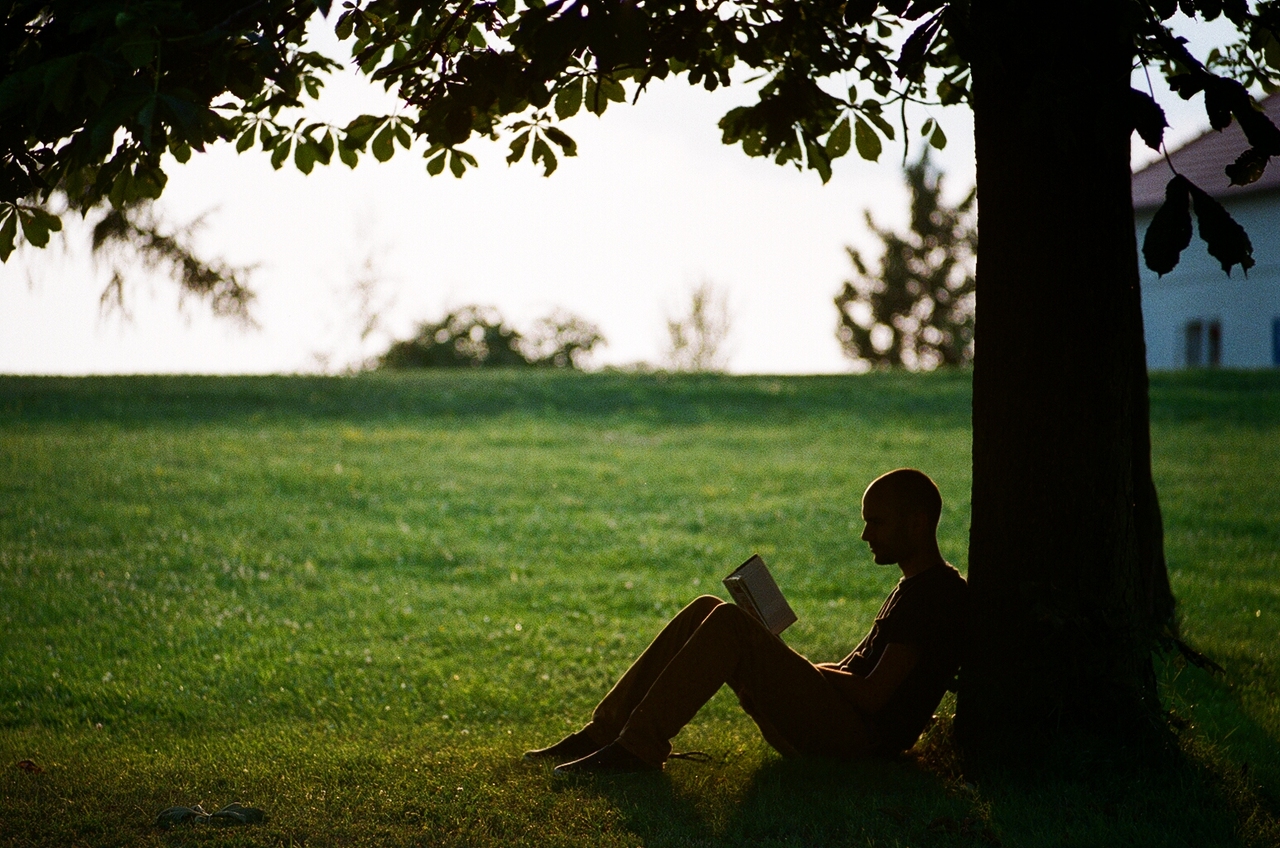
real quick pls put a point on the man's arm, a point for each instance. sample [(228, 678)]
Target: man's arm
[(872, 692)]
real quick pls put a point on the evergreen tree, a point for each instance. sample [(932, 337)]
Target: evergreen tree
[(917, 311)]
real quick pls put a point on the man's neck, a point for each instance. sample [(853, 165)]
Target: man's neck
[(918, 565)]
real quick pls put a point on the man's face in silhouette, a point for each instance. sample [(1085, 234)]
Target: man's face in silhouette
[(891, 530)]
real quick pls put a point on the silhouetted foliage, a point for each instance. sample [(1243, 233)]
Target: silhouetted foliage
[(136, 233), (917, 311), (93, 94), (478, 336), (561, 340), (696, 340)]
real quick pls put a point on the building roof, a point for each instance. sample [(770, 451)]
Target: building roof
[(1202, 161)]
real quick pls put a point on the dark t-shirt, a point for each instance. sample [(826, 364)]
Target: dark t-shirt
[(929, 611)]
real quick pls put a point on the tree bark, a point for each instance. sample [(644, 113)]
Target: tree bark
[(1060, 554)]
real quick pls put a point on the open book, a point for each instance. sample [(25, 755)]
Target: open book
[(752, 588)]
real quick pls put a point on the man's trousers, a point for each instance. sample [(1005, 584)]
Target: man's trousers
[(710, 643)]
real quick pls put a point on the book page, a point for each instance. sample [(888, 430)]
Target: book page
[(766, 600)]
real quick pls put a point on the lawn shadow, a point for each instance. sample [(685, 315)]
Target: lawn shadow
[(1068, 796), (792, 802), (873, 802)]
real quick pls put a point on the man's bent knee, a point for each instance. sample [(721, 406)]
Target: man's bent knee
[(702, 606), (730, 616)]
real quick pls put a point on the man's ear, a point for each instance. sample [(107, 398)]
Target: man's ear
[(920, 525)]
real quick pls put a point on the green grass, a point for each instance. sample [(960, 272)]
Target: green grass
[(354, 602)]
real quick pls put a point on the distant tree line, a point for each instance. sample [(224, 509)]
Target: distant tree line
[(479, 337)]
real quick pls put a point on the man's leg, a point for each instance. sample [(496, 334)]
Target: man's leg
[(797, 709), (613, 712)]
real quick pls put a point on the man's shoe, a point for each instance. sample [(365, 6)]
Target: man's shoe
[(573, 747), (611, 759)]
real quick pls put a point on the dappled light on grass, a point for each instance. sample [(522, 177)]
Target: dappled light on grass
[(354, 602)]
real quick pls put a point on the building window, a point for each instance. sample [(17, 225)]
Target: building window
[(1194, 344), (1202, 343)]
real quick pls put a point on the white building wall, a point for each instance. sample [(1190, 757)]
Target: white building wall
[(1199, 290)]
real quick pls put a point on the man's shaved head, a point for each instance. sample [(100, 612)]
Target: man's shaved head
[(910, 491)]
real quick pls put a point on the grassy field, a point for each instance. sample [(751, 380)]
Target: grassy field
[(354, 602)]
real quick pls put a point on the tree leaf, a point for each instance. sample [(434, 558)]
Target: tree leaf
[(859, 12), (868, 143), (594, 98), (346, 23), (51, 221), (280, 153), (138, 52), (1188, 85), (33, 228), (245, 141), (912, 58), (1262, 134), (436, 166), (402, 136), (1237, 11), (1227, 241), (360, 129), (567, 144), (937, 138), (1170, 230), (920, 8), (121, 189), (1271, 51), (613, 90), (542, 153), (382, 144), (456, 165), (348, 156), (304, 156), (1248, 167), (8, 233), (839, 139), (878, 119), (819, 161), (518, 145), (1222, 98), (1147, 117), (569, 100), (1165, 9)]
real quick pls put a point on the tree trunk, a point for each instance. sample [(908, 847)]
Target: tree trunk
[(1060, 553)]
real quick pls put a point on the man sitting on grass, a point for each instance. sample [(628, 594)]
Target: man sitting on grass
[(875, 701)]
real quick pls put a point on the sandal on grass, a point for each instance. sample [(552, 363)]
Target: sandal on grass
[(232, 814)]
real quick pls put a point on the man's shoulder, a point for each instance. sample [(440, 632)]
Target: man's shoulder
[(940, 591)]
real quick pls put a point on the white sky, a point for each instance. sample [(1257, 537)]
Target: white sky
[(652, 205)]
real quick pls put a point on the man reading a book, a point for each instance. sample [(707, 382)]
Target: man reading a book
[(875, 701)]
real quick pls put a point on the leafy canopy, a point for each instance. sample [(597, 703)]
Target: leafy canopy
[(95, 92)]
